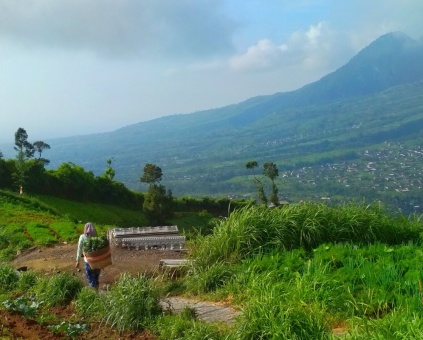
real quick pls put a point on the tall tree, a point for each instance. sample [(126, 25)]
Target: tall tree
[(271, 171), (39, 147), (22, 144), (258, 184), (152, 174), (25, 151), (158, 204), (109, 172)]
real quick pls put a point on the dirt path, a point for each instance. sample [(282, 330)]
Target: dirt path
[(61, 258)]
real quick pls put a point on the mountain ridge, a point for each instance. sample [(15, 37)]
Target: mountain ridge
[(375, 98)]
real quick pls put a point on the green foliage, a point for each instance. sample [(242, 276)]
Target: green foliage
[(254, 230), (209, 279), (96, 212), (95, 243), (131, 304), (89, 304), (158, 205), (151, 174), (58, 289), (22, 305), (8, 277), (72, 330)]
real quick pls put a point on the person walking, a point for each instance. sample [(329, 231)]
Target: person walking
[(91, 274)]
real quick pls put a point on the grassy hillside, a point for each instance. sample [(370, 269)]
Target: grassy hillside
[(306, 271), (27, 221)]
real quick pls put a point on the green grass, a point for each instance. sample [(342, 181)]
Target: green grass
[(66, 230), (57, 290), (296, 273), (27, 221), (193, 224), (96, 213), (40, 234)]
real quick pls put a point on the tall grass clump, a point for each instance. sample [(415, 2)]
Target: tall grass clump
[(257, 229), (131, 304), (268, 315), (8, 277), (58, 289), (89, 304), (209, 279), (27, 280)]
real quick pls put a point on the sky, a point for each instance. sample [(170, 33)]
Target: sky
[(77, 67)]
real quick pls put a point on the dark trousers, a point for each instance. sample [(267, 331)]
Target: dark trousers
[(92, 275)]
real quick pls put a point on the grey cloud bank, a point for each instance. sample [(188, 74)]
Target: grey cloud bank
[(86, 66)]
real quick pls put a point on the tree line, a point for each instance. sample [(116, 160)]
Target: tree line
[(26, 173)]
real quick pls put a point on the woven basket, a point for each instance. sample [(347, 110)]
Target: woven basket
[(99, 259)]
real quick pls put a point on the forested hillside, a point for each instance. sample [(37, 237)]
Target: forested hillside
[(354, 134)]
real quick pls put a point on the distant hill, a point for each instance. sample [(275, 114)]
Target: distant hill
[(373, 100)]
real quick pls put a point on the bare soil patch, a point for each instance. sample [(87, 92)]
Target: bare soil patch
[(61, 258)]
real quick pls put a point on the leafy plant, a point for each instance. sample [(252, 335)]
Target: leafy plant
[(22, 305), (95, 243), (72, 330)]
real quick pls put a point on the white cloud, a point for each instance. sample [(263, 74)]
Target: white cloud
[(263, 55), (310, 48)]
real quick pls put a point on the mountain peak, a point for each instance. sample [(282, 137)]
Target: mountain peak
[(386, 46)]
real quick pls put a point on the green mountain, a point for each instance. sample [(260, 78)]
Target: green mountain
[(359, 120)]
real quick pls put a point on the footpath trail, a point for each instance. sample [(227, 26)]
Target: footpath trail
[(61, 258), (206, 311)]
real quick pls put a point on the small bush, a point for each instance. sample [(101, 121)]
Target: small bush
[(58, 289)]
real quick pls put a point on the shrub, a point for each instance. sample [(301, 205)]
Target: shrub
[(132, 304), (57, 290)]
